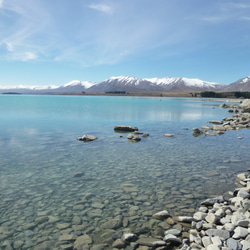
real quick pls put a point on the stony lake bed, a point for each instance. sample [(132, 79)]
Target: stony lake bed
[(60, 193)]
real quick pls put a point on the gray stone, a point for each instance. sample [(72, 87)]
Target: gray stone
[(170, 238), (240, 232), (113, 223), (220, 213), (162, 215), (173, 231), (212, 201), (18, 244), (205, 127), (82, 241), (212, 218), (233, 244), (218, 232), (245, 106), (76, 220), (127, 237), (97, 205), (241, 176), (244, 194), (99, 247), (87, 138), (245, 245), (119, 244), (199, 216), (218, 128), (151, 242), (133, 138), (186, 219), (199, 225), (216, 241), (67, 237), (206, 241), (243, 223), (213, 247)]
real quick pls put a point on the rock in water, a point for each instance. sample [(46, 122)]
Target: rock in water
[(134, 138), (162, 215), (212, 201), (87, 138), (245, 106), (124, 128), (168, 135)]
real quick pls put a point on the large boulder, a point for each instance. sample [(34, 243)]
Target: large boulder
[(245, 106), (123, 128)]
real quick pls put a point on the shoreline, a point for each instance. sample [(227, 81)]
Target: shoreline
[(218, 224)]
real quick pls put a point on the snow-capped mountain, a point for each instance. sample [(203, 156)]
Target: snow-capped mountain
[(75, 86), (132, 84), (22, 89), (242, 85), (185, 84), (72, 87), (84, 84), (124, 83)]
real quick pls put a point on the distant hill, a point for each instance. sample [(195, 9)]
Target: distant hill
[(242, 85), (122, 84)]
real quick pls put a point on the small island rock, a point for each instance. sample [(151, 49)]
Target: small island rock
[(124, 128), (87, 138)]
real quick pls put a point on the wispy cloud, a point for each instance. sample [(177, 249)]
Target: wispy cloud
[(44, 30), (102, 8), (29, 56), (9, 46), (240, 5), (213, 19)]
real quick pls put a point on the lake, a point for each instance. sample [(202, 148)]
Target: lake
[(51, 184)]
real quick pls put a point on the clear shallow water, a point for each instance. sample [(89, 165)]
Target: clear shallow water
[(39, 154)]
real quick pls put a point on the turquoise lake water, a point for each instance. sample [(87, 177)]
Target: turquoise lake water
[(39, 154)]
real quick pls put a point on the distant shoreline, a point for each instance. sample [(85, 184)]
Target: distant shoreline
[(185, 94)]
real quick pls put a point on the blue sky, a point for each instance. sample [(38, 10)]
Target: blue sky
[(51, 42)]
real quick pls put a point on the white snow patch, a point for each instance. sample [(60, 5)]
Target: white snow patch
[(246, 79), (163, 81), (199, 83), (85, 84)]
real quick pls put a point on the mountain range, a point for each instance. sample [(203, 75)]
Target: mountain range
[(132, 84)]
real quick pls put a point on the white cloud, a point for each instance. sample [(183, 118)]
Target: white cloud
[(29, 56), (1, 3), (9, 46), (102, 8)]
